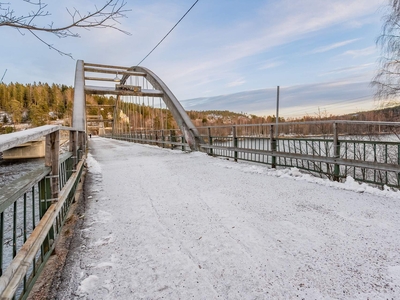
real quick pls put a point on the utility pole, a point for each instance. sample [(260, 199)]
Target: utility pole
[(277, 111)]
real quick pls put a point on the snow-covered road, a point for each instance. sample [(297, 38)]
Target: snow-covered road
[(165, 224)]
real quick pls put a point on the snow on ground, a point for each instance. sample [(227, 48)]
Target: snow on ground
[(165, 224)]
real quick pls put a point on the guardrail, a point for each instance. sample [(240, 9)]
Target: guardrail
[(367, 151), (33, 208), (165, 138)]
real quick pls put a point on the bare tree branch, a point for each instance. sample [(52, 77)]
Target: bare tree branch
[(387, 78), (106, 16), (51, 46)]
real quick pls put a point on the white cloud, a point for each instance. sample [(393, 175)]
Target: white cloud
[(237, 82), (349, 69), (361, 52), (201, 55), (270, 64), (336, 96), (278, 24), (333, 46)]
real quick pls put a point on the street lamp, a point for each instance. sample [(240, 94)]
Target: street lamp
[(116, 79)]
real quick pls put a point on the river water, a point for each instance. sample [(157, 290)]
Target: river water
[(11, 170)]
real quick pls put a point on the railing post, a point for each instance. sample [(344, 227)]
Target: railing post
[(398, 162), (172, 137), (45, 194), (210, 142), (273, 146), (162, 138), (50, 187), (51, 160), (235, 142), (73, 142), (336, 152), (183, 142), (157, 138), (78, 146)]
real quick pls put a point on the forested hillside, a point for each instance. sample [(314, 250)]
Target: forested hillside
[(36, 103)]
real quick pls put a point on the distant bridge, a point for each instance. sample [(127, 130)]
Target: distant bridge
[(34, 207)]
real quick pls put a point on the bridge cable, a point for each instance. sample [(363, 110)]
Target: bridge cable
[(168, 32)]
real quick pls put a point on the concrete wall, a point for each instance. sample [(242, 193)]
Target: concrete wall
[(33, 149)]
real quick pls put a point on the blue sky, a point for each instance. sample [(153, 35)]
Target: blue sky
[(225, 54)]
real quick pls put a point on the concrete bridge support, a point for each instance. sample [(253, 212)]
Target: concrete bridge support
[(32, 149)]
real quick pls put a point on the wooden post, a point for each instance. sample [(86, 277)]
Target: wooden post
[(273, 146), (73, 145), (81, 144), (52, 160)]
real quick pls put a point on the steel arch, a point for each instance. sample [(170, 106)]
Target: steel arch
[(188, 129), (190, 132)]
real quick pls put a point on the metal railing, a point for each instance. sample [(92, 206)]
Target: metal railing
[(33, 208), (165, 138), (367, 151)]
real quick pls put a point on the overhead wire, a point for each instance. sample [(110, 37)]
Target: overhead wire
[(168, 32)]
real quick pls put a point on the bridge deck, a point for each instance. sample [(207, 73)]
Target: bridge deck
[(174, 225)]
